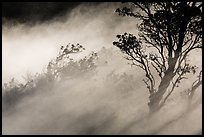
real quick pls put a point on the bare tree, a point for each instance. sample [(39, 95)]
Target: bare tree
[(168, 32)]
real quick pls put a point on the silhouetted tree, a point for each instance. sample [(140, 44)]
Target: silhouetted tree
[(168, 32)]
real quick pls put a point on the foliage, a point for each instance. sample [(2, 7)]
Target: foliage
[(64, 66), (168, 32), (121, 82), (58, 69)]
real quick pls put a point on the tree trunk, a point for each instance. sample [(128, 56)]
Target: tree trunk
[(156, 97), (192, 91)]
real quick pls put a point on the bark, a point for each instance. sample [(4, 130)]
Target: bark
[(156, 97)]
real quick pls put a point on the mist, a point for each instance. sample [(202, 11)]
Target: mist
[(42, 41), (112, 99)]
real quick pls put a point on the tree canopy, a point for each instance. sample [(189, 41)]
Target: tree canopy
[(168, 32)]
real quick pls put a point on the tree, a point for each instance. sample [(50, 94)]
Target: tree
[(55, 66), (63, 66), (58, 69), (168, 33)]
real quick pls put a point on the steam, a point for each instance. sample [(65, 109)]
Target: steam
[(111, 100)]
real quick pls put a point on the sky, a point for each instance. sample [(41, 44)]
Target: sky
[(112, 100), (35, 11), (33, 33)]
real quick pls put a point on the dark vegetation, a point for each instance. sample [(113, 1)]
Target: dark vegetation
[(168, 33)]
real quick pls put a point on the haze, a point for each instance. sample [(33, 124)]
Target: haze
[(95, 104)]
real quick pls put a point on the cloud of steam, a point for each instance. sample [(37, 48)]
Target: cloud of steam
[(99, 103)]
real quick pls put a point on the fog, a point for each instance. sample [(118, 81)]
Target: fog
[(110, 100), (93, 27)]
